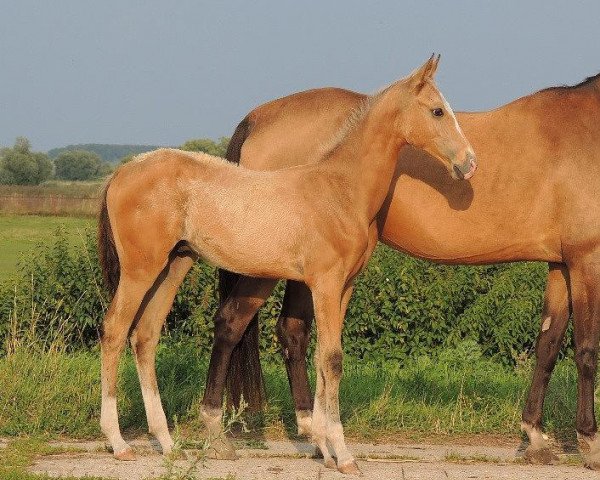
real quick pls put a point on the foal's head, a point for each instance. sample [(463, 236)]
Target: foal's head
[(428, 122)]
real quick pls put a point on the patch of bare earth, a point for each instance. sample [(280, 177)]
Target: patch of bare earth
[(294, 461)]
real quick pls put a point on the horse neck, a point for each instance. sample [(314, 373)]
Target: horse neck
[(366, 158)]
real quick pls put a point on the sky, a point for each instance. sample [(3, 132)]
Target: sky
[(163, 72)]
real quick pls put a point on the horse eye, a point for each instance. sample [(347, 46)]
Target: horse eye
[(437, 112)]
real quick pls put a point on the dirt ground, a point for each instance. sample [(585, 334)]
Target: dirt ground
[(286, 460)]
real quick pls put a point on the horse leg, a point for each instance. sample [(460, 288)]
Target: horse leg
[(144, 340), (555, 318), (244, 377), (293, 331), (327, 427), (586, 308), (117, 322), (231, 321)]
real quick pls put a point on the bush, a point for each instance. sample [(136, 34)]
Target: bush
[(20, 166), (207, 145), (402, 308), (77, 165)]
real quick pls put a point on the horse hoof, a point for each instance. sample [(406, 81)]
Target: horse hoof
[(317, 453), (127, 455), (330, 463), (350, 468), (540, 456), (592, 462)]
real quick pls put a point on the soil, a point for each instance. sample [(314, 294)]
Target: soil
[(288, 460)]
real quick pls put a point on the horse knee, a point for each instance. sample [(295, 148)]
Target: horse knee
[(230, 325), (333, 363), (140, 344), (586, 359), (112, 341), (293, 335)]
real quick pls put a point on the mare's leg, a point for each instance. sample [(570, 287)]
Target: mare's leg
[(585, 291), (293, 331), (330, 309), (120, 316), (231, 321), (244, 377), (144, 340), (555, 318)]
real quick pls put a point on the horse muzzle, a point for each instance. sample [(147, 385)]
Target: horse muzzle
[(465, 170)]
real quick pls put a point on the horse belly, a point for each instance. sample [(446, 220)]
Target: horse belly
[(249, 250), (421, 222)]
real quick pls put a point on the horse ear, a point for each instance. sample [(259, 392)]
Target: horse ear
[(425, 72), (434, 67)]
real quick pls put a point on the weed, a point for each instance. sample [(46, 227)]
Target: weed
[(453, 457), (176, 470)]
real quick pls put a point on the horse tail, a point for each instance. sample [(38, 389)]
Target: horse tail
[(244, 377), (107, 251)]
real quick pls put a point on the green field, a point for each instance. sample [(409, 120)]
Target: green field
[(20, 234)]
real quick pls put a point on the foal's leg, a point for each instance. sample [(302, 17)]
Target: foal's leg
[(119, 318), (555, 318), (293, 331), (144, 340), (327, 427), (231, 321), (586, 309)]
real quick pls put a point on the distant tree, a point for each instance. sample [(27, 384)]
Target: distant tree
[(126, 158), (108, 152), (105, 169), (20, 166), (207, 145), (80, 165)]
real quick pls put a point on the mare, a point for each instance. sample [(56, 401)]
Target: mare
[(167, 208), (536, 199)]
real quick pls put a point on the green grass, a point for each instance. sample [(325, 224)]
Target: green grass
[(20, 453), (58, 394), (20, 234)]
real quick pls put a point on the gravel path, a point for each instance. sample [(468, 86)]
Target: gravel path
[(292, 461)]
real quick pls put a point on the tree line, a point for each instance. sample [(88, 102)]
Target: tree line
[(19, 165)]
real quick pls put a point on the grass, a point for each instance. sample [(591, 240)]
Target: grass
[(57, 393), (20, 234), (48, 392), (20, 453), (55, 187), (51, 198)]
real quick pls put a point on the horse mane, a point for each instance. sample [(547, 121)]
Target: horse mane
[(200, 157), (356, 115), (584, 83)]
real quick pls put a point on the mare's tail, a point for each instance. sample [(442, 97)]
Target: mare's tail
[(107, 252), (244, 376)]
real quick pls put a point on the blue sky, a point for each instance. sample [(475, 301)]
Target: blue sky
[(163, 72)]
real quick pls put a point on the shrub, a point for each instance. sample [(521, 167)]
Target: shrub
[(402, 307), (20, 166)]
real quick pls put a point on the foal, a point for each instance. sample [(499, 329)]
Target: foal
[(169, 207)]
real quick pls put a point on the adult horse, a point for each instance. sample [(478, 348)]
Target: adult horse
[(536, 199), (169, 207)]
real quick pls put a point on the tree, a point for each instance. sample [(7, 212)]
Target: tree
[(127, 158), (20, 166), (79, 165), (207, 145)]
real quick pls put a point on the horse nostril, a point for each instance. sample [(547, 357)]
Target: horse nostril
[(458, 171)]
